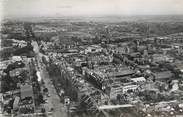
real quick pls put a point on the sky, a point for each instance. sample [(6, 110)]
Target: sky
[(35, 8)]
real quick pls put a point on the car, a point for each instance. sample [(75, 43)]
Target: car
[(163, 114), (142, 114), (48, 95), (46, 101), (148, 115), (172, 113), (66, 100), (180, 110)]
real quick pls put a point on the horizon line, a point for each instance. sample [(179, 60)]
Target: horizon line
[(94, 16)]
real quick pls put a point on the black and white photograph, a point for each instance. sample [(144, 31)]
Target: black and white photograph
[(91, 58)]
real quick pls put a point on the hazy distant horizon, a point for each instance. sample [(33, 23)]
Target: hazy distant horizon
[(89, 8), (105, 18)]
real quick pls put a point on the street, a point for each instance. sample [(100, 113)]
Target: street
[(59, 110)]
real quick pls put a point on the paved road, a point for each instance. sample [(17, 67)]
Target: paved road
[(53, 100)]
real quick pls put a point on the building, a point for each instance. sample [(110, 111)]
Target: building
[(26, 104), (138, 80), (163, 76), (93, 49), (162, 58), (130, 87)]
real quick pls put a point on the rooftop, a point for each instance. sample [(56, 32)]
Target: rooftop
[(163, 75), (26, 91)]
